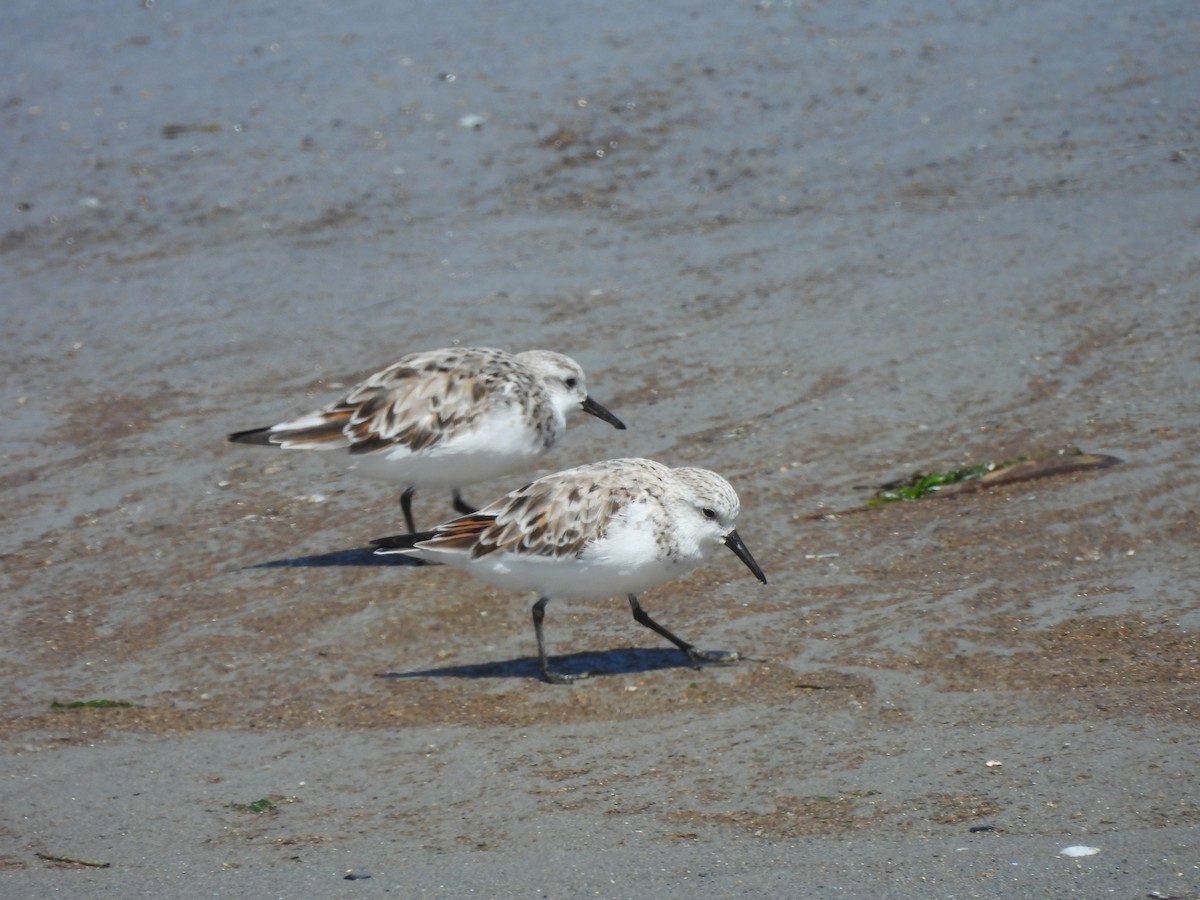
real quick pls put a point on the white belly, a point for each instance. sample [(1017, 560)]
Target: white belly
[(500, 445), (578, 581)]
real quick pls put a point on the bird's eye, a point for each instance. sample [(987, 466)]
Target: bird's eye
[(570, 383), (709, 512)]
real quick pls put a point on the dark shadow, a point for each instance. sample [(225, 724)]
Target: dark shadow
[(623, 661), (359, 556)]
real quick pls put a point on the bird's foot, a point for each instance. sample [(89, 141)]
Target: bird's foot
[(720, 657), (564, 677)]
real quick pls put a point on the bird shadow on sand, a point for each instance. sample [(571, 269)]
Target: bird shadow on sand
[(622, 661), (357, 556)]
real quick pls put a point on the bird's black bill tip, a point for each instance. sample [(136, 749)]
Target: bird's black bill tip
[(591, 407), (734, 543)]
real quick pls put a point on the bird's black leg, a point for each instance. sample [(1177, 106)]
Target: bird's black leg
[(539, 613), (695, 656), (406, 508), (462, 505), (642, 618)]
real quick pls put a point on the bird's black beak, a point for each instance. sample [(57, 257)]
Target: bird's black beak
[(591, 407), (734, 543)]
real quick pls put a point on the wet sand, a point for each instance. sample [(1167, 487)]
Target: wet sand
[(813, 247)]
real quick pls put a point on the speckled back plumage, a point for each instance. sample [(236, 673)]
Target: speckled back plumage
[(561, 515), (427, 398), (529, 520)]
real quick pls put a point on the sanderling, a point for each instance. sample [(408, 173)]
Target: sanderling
[(445, 419), (614, 527)]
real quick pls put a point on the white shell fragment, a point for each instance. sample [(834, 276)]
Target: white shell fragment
[(993, 763), (1078, 850)]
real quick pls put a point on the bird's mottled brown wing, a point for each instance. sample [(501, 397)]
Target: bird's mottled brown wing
[(426, 398), (416, 402), (558, 515)]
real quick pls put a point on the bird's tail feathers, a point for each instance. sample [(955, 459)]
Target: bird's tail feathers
[(399, 543), (252, 436)]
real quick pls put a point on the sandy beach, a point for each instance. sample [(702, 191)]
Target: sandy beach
[(814, 247)]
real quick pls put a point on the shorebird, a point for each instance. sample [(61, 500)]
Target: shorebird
[(614, 527), (445, 419)]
